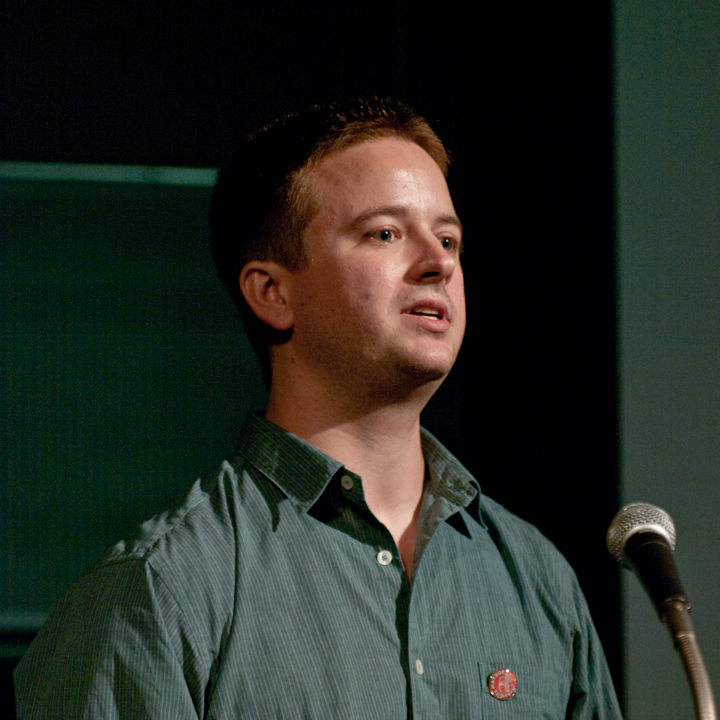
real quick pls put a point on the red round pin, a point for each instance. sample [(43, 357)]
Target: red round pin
[(502, 684)]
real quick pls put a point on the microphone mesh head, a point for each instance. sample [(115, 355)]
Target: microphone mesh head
[(634, 518)]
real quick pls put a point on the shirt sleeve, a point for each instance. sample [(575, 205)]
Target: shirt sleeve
[(116, 648)]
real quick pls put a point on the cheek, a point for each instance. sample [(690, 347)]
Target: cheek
[(366, 284), (386, 276), (390, 274)]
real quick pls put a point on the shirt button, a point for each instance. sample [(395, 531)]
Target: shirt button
[(419, 669), (347, 482), (384, 557)]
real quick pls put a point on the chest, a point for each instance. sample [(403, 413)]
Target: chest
[(326, 625)]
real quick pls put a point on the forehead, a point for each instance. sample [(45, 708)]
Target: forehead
[(377, 171)]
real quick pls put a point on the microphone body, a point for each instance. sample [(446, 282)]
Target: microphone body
[(650, 556), (641, 538)]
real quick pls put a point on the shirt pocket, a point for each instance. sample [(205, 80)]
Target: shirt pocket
[(542, 693)]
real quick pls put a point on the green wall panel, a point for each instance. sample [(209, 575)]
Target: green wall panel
[(667, 55), (124, 372)]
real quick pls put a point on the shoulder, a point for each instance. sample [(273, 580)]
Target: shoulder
[(191, 548), (532, 561), (166, 593), (510, 529), (186, 531), (514, 537)]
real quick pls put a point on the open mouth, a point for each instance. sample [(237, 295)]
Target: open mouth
[(427, 312)]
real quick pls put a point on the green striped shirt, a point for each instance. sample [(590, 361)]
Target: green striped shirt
[(271, 591)]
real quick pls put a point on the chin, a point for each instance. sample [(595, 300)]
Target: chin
[(429, 371), (424, 375), (404, 370), (435, 364)]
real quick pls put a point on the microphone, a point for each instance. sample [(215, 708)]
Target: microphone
[(641, 537)]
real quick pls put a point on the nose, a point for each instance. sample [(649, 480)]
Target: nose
[(433, 263)]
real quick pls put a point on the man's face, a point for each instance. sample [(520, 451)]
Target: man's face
[(382, 296)]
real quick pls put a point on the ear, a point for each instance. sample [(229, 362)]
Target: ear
[(264, 287)]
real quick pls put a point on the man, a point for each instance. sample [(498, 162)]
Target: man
[(343, 564)]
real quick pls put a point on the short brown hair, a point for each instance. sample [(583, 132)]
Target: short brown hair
[(262, 203)]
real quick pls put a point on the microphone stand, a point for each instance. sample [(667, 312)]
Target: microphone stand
[(675, 614), (641, 537)]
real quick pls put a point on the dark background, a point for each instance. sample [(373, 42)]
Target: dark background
[(522, 96)]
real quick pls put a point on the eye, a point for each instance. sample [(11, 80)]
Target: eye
[(383, 235), (448, 243)]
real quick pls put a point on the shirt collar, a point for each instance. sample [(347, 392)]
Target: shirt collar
[(447, 476), (300, 470), (303, 472)]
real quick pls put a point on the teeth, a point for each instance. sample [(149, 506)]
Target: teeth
[(431, 312)]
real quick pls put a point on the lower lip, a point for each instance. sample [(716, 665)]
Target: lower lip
[(427, 322)]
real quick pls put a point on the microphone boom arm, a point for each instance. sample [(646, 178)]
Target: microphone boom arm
[(675, 614)]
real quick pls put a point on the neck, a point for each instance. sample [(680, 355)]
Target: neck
[(375, 434), (381, 443), (372, 427)]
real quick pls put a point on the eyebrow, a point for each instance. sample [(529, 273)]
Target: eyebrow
[(399, 211)]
